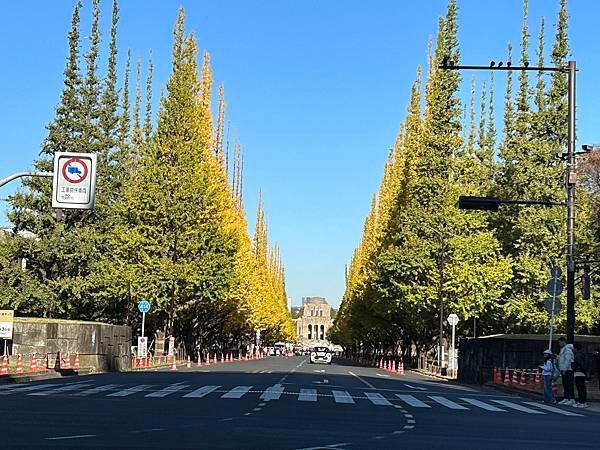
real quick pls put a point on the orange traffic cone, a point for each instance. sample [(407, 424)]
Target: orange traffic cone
[(401, 367), (537, 381), (199, 360), (57, 362), (189, 363), (33, 364), (19, 365), (76, 363), (208, 359), (4, 367), (174, 365), (523, 382)]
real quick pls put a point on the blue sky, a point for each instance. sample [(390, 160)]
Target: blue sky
[(315, 89)]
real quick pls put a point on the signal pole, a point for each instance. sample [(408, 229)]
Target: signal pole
[(570, 176)]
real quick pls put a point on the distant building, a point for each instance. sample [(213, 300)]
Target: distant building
[(315, 321)]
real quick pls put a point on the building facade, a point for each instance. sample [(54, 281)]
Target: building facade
[(315, 321)]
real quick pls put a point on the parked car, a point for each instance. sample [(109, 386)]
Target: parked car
[(320, 355)]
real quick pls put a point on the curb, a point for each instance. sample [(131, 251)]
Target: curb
[(431, 375)]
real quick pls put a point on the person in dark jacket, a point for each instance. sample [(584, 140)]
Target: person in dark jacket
[(580, 369)]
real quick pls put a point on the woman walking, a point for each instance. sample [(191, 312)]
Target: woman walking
[(547, 373)]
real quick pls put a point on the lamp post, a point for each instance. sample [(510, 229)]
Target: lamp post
[(570, 177)]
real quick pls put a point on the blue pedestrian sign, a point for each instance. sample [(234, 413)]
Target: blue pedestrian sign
[(144, 306)]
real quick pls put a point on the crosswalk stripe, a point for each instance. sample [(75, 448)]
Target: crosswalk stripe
[(201, 392), (342, 397), (418, 388), (130, 391), (61, 389), (412, 401), (553, 409), (27, 388), (308, 395), (273, 392), (236, 392), (377, 399), (97, 390), (482, 405), (445, 402), (518, 407), (167, 390)]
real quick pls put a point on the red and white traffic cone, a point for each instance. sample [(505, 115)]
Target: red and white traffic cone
[(4, 367), (537, 379), (189, 363), (215, 360), (199, 360), (230, 358), (76, 363), (401, 367), (47, 363), (174, 365), (33, 364), (57, 362), (19, 365), (523, 381), (506, 376), (208, 359)]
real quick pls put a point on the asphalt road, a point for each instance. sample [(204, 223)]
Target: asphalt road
[(281, 403)]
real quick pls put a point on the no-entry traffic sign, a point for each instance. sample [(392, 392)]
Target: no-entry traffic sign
[(74, 183)]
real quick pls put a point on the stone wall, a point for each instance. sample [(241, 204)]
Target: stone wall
[(101, 346)]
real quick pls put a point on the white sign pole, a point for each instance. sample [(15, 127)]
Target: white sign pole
[(453, 347), (143, 322)]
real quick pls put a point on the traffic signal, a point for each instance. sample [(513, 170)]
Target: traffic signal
[(478, 203), (585, 283)]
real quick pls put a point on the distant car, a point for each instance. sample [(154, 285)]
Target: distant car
[(320, 355)]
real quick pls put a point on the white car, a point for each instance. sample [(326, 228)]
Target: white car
[(320, 355)]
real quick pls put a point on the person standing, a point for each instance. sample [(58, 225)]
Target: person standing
[(581, 372), (564, 361), (547, 373)]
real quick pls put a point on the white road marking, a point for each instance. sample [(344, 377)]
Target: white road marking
[(77, 436), (342, 397), (28, 388), (382, 375), (130, 391), (365, 382), (272, 393), (321, 447), (518, 407), (445, 402), (553, 409), (308, 395), (482, 405), (167, 390), (201, 392), (412, 401), (377, 399), (418, 388), (236, 392), (66, 388), (98, 389)]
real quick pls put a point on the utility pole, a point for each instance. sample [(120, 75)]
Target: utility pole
[(570, 185), (570, 176)]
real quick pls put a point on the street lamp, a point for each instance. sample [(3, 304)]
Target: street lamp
[(571, 70)]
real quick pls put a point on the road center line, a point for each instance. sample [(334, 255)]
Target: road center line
[(365, 382)]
